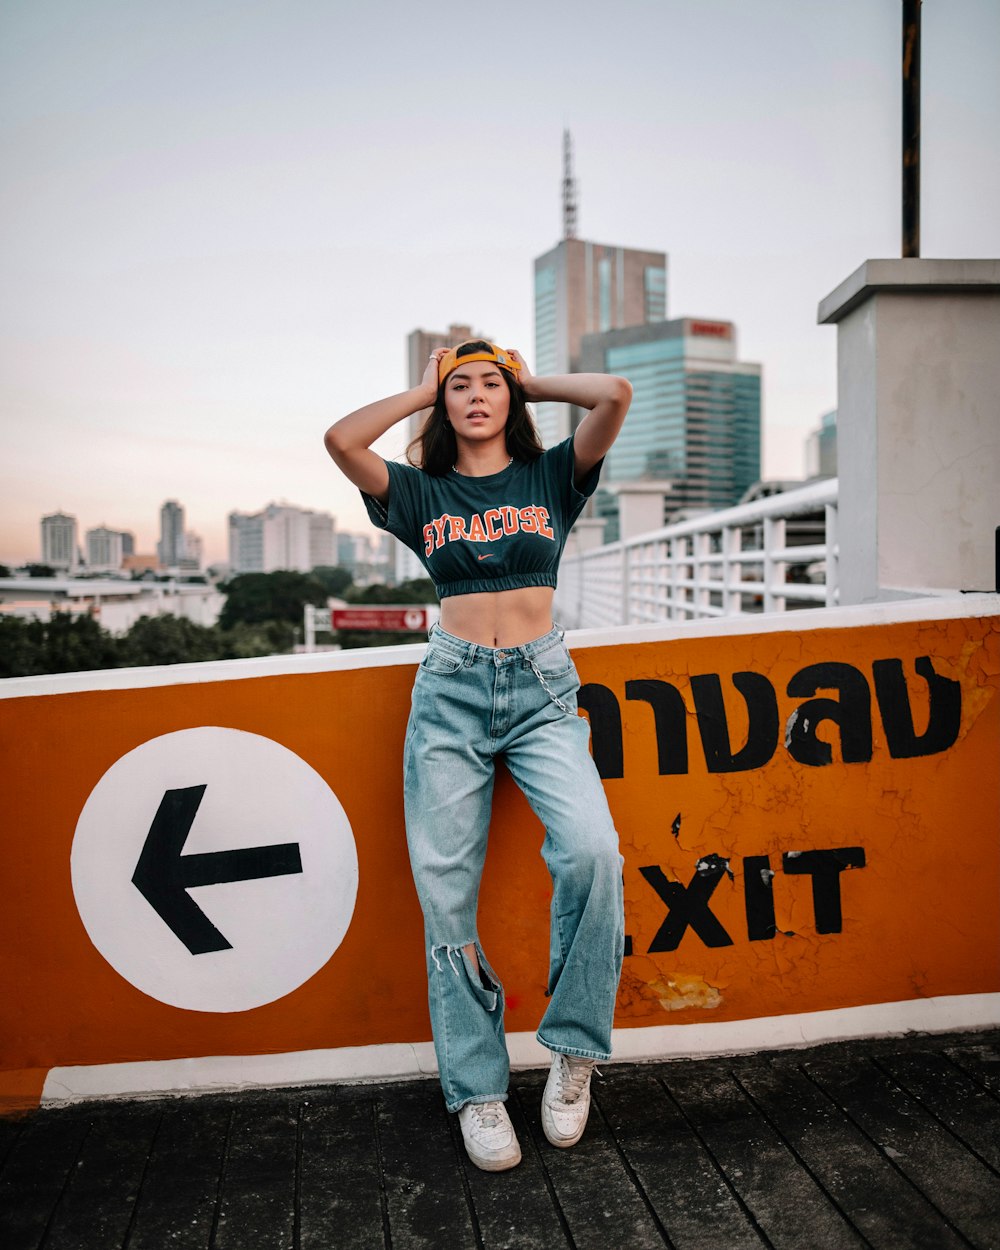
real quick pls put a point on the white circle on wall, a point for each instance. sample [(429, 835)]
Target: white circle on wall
[(214, 869)]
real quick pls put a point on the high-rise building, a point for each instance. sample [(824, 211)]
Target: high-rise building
[(322, 540), (821, 447), (194, 551), (585, 288), (170, 548), (694, 423), (104, 549), (280, 537), (59, 548)]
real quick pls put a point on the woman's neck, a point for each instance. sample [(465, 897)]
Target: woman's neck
[(482, 460)]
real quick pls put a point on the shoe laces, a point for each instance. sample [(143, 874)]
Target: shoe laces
[(487, 1114), (574, 1075)]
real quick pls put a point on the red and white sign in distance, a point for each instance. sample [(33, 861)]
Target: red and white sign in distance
[(391, 619), (712, 329)]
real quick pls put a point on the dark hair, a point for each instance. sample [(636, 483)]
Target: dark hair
[(435, 449)]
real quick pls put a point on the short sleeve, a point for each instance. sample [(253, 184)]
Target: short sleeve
[(564, 471), (399, 515)]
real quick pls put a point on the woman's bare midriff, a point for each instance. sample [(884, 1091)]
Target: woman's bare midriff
[(500, 618)]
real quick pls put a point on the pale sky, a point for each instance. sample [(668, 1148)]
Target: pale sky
[(220, 220)]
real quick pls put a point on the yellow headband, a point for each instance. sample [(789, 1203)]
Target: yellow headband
[(496, 355)]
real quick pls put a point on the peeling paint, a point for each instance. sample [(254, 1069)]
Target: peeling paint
[(674, 993)]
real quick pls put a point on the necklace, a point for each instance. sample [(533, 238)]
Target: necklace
[(454, 468)]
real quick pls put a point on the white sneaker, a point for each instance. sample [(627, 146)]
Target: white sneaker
[(489, 1136), (566, 1099)]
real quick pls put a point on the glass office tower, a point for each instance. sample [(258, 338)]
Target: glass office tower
[(695, 417), (583, 288)]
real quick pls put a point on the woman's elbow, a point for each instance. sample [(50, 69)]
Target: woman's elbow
[(622, 391), (333, 441)]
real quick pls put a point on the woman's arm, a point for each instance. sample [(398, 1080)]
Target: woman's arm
[(605, 396), (349, 439)]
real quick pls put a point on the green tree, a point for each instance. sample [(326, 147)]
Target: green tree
[(64, 644), (22, 647), (244, 640), (333, 577), (4, 571), (281, 596), (40, 570), (170, 640)]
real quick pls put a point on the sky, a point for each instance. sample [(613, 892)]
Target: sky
[(219, 221)]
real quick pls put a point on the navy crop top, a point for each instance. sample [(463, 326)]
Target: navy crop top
[(499, 532)]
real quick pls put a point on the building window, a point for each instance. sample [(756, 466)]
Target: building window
[(655, 292), (604, 292)]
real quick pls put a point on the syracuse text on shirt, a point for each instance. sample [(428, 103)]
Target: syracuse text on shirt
[(494, 523)]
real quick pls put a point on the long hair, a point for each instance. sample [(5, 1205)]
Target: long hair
[(435, 449)]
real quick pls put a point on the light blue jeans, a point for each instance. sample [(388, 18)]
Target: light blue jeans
[(472, 705)]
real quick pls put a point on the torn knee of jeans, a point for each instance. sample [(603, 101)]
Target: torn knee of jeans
[(448, 952), (480, 976)]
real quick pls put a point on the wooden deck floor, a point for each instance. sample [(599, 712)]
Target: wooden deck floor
[(893, 1143)]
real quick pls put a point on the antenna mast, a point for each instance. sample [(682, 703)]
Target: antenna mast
[(568, 189)]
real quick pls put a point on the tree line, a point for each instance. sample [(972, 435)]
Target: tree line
[(262, 615)]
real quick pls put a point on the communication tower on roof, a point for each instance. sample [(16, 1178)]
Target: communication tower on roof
[(568, 189)]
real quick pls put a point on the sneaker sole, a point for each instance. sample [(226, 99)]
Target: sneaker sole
[(562, 1143), (494, 1165)]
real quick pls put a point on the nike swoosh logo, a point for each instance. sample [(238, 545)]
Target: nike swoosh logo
[(485, 557)]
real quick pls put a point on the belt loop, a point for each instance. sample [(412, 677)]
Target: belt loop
[(470, 655)]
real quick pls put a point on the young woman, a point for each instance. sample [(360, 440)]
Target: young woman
[(488, 512)]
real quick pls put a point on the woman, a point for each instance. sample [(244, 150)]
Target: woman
[(488, 512)]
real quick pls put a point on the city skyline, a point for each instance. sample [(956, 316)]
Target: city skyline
[(219, 225)]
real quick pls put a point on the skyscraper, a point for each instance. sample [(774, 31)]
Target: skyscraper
[(104, 549), (584, 288), (280, 537), (695, 416), (59, 547), (170, 548)]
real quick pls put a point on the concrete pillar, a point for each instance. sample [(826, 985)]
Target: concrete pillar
[(640, 507), (918, 425), (586, 534)]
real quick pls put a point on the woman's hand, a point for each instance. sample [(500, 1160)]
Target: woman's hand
[(524, 374), (429, 382)]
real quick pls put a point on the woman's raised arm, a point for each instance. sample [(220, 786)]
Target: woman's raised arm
[(349, 440), (606, 398)]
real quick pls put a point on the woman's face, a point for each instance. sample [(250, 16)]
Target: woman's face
[(477, 401)]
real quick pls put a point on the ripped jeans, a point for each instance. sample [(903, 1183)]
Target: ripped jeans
[(472, 704)]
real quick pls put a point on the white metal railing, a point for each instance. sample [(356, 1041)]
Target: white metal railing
[(756, 557)]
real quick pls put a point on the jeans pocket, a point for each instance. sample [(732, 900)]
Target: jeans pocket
[(555, 660), (438, 660)]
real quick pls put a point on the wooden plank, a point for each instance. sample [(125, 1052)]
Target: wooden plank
[(883, 1206), (600, 1203), (782, 1197), (10, 1130), (422, 1172), (34, 1175), (96, 1207), (180, 1191), (695, 1205), (257, 1202), (981, 1060), (340, 1186), (948, 1093), (963, 1189), (515, 1210)]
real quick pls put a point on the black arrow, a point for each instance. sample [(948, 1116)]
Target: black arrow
[(163, 875)]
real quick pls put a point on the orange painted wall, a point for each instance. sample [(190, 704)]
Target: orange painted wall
[(921, 918)]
